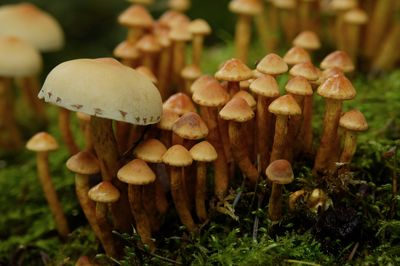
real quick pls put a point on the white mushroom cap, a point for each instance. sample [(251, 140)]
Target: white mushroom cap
[(18, 58), (103, 87), (27, 22)]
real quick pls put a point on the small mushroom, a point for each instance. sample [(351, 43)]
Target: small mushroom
[(127, 52), (148, 47), (189, 74), (354, 19), (179, 36), (340, 7), (307, 14), (233, 71), (287, 17), (179, 5), (339, 59), (199, 28), (296, 55), (295, 197), (318, 200), (280, 173), (42, 143), (272, 64), (307, 39), (137, 19)]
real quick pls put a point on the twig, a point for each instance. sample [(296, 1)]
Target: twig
[(353, 251), (303, 262)]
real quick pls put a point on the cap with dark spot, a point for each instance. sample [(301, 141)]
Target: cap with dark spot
[(280, 172)]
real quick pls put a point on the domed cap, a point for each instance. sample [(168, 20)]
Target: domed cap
[(337, 87), (179, 5), (265, 86), (136, 16), (180, 103), (191, 72), (285, 4), (327, 73), (307, 40), (136, 172), (210, 93), (29, 23), (161, 31), (353, 120), (202, 81), (103, 87), (356, 16), (247, 97), (148, 44), (145, 71), (178, 156), (299, 86), (234, 70), (190, 126), (306, 70), (142, 2), (246, 7), (84, 163), (237, 110), (18, 58), (104, 192), (126, 50), (180, 33), (199, 27), (150, 150), (272, 64), (168, 119), (280, 172), (296, 55), (42, 142), (203, 152), (342, 5), (285, 105), (338, 59), (174, 19)]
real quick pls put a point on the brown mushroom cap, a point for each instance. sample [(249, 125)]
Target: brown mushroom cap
[(237, 110), (338, 59), (199, 27), (190, 126), (29, 23), (136, 16), (180, 103), (306, 70), (42, 142), (177, 156), (353, 120), (337, 87), (104, 192), (18, 58), (285, 4), (148, 44), (280, 172), (191, 72), (299, 86), (180, 34), (247, 97), (161, 31), (307, 40), (296, 55), (84, 163), (168, 119), (272, 64), (285, 105), (265, 86), (327, 73), (208, 92), (342, 5), (179, 5), (174, 19), (245, 7), (203, 152), (103, 87), (356, 16), (136, 172), (150, 150), (126, 50), (234, 70)]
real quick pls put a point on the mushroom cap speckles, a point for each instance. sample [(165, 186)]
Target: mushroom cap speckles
[(84, 163), (280, 172), (103, 87), (203, 152), (190, 126), (272, 64), (237, 109), (285, 105), (179, 103), (265, 86), (353, 120), (337, 87), (234, 70), (338, 59), (150, 150), (42, 142), (104, 192), (247, 97), (136, 172), (177, 156)]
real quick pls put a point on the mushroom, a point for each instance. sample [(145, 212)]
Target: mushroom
[(388, 54), (353, 122), (280, 173), (84, 165), (105, 194), (245, 10), (339, 59), (177, 157), (287, 17), (307, 13), (199, 28), (137, 19), (335, 90), (127, 52), (179, 36), (179, 103), (354, 19), (87, 85), (233, 71), (189, 74), (42, 143), (307, 40), (283, 107), (137, 174), (296, 55), (340, 7), (318, 200), (84, 124), (179, 5), (148, 47), (294, 197), (17, 59), (188, 128), (168, 118), (272, 64), (202, 153)]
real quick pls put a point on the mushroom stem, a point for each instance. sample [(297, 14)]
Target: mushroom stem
[(161, 199), (389, 54), (105, 236), (280, 137), (179, 198), (339, 26), (306, 133), (242, 37), (353, 34), (237, 138), (263, 31), (30, 90), (164, 72), (85, 128), (142, 221), (66, 133), (51, 194), (294, 125), (149, 196), (178, 63), (306, 16), (122, 132), (275, 202), (201, 185), (349, 146), (148, 60), (134, 34), (288, 20), (233, 87), (197, 49), (331, 121), (264, 131)]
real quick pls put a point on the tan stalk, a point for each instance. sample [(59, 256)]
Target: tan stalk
[(389, 53), (64, 120), (31, 87)]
